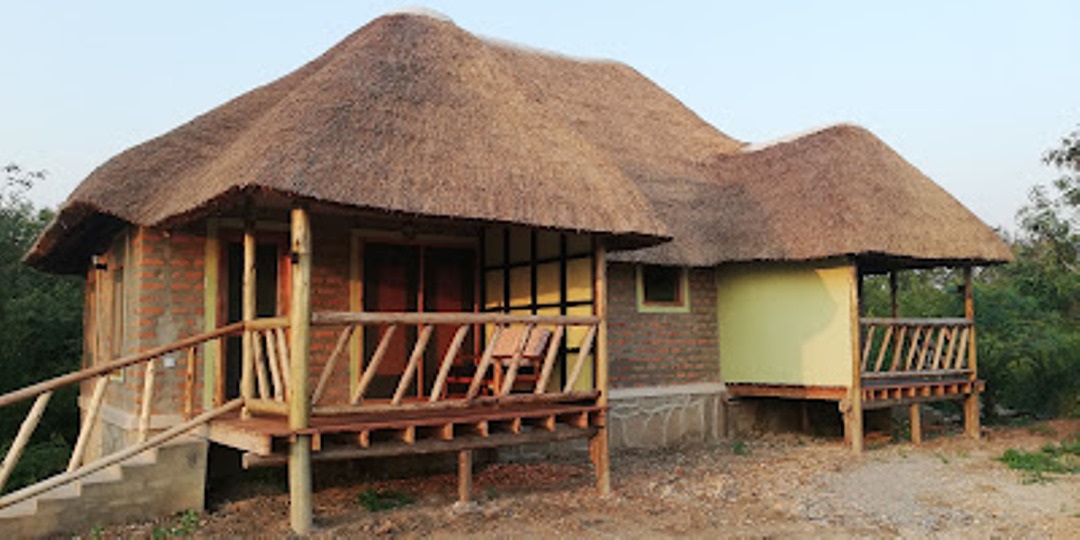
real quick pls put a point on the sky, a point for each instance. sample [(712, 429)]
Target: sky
[(971, 93)]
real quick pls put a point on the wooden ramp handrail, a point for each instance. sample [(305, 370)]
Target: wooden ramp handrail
[(112, 459), (109, 367)]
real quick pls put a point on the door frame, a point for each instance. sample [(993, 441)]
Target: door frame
[(358, 238)]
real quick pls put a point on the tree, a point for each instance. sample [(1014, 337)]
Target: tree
[(40, 328), (1029, 320)]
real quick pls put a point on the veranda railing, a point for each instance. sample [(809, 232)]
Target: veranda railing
[(906, 347)]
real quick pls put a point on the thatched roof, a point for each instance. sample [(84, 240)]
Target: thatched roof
[(839, 191), (412, 115)]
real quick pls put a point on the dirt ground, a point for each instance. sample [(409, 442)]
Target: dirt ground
[(774, 487)]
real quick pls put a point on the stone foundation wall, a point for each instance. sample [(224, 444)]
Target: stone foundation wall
[(666, 416)]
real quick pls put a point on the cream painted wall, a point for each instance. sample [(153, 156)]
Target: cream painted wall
[(786, 323)]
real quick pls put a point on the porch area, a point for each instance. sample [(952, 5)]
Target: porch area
[(522, 388), (894, 362)]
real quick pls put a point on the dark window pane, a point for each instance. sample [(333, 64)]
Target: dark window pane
[(661, 285)]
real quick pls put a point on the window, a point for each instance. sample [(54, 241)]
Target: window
[(662, 289)]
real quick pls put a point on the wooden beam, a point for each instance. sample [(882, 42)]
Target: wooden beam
[(337, 318), (824, 393), (430, 446), (448, 361), (300, 505), (549, 360)]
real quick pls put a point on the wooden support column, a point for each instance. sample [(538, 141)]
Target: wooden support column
[(852, 409), (299, 398), (916, 423), (972, 426), (598, 444), (894, 304), (247, 362), (465, 478)]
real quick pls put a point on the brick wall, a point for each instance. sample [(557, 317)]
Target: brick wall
[(655, 349), (167, 275), (329, 292)]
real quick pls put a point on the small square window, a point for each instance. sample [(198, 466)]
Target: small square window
[(662, 289)]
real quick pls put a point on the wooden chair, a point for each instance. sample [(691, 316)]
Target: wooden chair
[(510, 338), (532, 355)]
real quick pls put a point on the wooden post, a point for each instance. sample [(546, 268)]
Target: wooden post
[(147, 400), (247, 362), (299, 400), (212, 350), (894, 304), (88, 422), (598, 444), (465, 479), (852, 410), (916, 423), (971, 403)]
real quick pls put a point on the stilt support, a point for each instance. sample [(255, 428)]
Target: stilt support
[(916, 423), (465, 478), (972, 426)]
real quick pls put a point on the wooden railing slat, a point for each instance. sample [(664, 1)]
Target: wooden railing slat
[(373, 365), (913, 348), (485, 363), (25, 431), (328, 369), (283, 359), (88, 422), (414, 362), (260, 367), (271, 360), (885, 342), (586, 349), (867, 344), (147, 400), (898, 349), (448, 361), (549, 360), (515, 360)]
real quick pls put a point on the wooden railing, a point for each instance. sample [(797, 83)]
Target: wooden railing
[(102, 375), (463, 325), (898, 347)]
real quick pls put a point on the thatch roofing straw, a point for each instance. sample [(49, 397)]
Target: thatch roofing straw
[(838, 191), (412, 115)]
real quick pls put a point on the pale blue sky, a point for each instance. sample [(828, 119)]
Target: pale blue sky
[(972, 93)]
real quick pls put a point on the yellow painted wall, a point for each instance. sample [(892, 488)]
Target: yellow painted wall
[(786, 323)]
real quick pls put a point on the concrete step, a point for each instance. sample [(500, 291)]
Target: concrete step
[(67, 491), (108, 474), (25, 508)]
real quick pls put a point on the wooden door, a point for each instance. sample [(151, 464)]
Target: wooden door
[(391, 283), (449, 286)]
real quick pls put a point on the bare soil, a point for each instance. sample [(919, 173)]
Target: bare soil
[(773, 487)]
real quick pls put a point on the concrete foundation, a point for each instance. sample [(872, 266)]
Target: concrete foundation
[(659, 417), (153, 484)]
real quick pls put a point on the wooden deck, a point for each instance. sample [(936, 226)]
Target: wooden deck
[(264, 439)]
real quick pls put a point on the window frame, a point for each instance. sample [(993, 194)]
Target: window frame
[(681, 305)]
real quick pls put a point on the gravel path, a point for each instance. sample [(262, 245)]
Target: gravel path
[(774, 487)]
